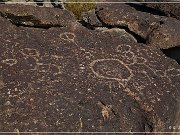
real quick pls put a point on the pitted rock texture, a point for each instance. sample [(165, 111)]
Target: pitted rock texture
[(72, 79), (150, 27), (36, 17)]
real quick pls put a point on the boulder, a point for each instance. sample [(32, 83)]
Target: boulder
[(72, 79), (36, 17), (167, 35), (170, 9), (162, 32)]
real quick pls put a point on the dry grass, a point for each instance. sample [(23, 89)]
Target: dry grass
[(78, 8)]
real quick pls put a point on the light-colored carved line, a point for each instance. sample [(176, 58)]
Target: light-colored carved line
[(120, 80), (6, 61), (123, 45), (29, 49), (67, 37)]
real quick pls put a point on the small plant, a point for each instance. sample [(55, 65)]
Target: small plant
[(78, 8)]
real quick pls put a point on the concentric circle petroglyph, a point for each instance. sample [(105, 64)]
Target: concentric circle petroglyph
[(112, 69)]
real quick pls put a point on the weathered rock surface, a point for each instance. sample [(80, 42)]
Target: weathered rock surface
[(170, 9), (118, 33), (35, 16), (167, 35), (74, 79), (160, 31)]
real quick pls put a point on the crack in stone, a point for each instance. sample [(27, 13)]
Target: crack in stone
[(27, 21)]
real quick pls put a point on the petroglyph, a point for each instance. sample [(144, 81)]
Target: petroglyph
[(123, 47), (129, 55), (132, 94), (68, 36), (10, 62), (138, 86), (140, 60), (112, 69), (29, 51), (64, 73), (173, 72)]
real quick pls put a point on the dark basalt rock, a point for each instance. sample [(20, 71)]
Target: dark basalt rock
[(75, 79), (36, 17), (125, 15), (161, 32), (167, 35), (170, 9), (120, 34)]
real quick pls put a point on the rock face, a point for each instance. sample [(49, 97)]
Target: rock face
[(72, 79), (36, 17), (167, 35), (170, 9), (159, 31)]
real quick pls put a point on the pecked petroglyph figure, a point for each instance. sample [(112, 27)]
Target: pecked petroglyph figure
[(10, 62), (112, 69), (67, 36)]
